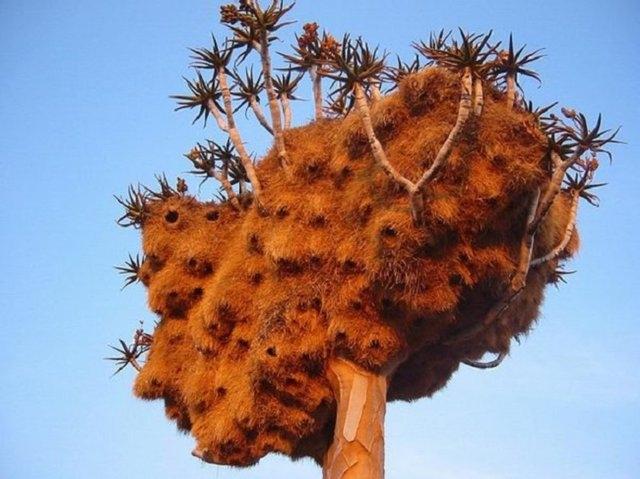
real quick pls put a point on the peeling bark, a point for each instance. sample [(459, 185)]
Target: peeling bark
[(376, 95), (357, 451)]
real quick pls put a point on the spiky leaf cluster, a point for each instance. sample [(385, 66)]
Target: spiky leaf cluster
[(207, 158), (247, 88), (285, 84), (311, 50), (131, 269), (166, 190), (250, 14), (471, 52), (394, 75), (512, 62), (203, 95), (129, 354), (576, 136), (355, 63), (216, 58), (135, 206)]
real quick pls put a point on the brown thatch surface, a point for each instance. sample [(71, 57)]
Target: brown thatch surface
[(253, 306)]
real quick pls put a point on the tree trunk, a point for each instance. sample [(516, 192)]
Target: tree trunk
[(357, 451)]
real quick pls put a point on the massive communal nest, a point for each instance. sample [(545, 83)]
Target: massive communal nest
[(252, 306)]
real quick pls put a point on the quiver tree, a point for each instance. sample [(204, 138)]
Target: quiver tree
[(409, 235)]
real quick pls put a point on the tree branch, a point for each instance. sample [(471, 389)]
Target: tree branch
[(223, 178), (488, 365), (316, 80), (236, 139), (376, 147), (478, 97), (464, 111), (568, 233), (257, 110), (276, 119), (213, 109), (286, 110), (515, 286)]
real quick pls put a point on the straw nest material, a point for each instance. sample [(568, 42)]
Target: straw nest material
[(252, 306)]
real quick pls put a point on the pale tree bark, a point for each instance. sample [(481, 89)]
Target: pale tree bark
[(213, 109), (464, 111), (568, 233), (555, 185), (511, 90), (376, 95), (416, 190), (274, 107), (257, 111), (357, 450), (236, 139), (286, 110), (316, 80), (376, 147), (223, 177), (515, 286), (478, 97)]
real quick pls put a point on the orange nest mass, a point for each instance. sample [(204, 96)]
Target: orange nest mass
[(252, 306)]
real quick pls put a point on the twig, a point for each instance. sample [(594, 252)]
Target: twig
[(488, 365)]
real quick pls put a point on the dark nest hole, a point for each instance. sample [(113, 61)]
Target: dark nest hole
[(388, 231), (314, 170), (350, 266), (196, 293), (312, 364), (288, 267), (340, 178), (212, 215), (318, 221), (282, 212), (254, 244), (199, 268), (172, 216), (176, 305), (155, 262)]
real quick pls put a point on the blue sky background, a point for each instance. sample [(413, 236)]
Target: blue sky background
[(84, 110)]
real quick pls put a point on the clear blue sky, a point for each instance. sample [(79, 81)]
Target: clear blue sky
[(84, 110)]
